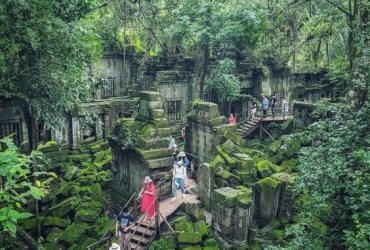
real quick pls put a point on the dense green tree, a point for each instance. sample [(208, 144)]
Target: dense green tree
[(46, 49)]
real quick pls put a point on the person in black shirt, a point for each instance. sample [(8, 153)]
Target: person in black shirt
[(273, 103)]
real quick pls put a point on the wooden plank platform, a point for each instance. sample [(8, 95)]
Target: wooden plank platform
[(167, 207)]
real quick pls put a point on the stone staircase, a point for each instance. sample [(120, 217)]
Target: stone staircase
[(248, 127), (142, 237)]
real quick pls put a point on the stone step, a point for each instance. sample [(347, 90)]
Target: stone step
[(156, 153), (161, 162)]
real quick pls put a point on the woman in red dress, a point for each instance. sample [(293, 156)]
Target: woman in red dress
[(148, 196)]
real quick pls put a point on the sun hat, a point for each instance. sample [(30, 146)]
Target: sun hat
[(147, 179), (179, 163), (115, 246), (182, 153), (174, 145)]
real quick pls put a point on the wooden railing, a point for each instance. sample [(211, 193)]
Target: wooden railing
[(105, 237)]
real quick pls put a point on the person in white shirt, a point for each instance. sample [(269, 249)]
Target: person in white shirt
[(179, 179)]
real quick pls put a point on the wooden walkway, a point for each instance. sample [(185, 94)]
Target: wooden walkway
[(167, 207)]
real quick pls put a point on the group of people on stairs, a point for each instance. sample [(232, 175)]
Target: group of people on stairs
[(125, 220)]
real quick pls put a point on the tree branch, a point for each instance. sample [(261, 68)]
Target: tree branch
[(339, 8)]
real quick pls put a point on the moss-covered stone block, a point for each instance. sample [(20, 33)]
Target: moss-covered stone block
[(246, 176), (70, 173), (96, 192), (266, 168), (105, 177), (229, 147), (228, 176), (228, 160), (54, 246), (197, 247), (274, 147), (277, 158), (28, 224), (287, 126), (64, 207), (218, 120), (63, 190), (284, 177), (54, 234), (290, 164), (215, 247), (244, 162), (55, 221), (150, 96), (160, 123), (155, 153), (193, 210), (86, 242), (160, 163), (235, 137), (201, 227), (99, 156), (184, 227), (103, 165), (187, 237), (74, 232), (218, 162), (227, 196)]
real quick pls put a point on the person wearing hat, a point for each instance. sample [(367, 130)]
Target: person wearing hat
[(125, 221), (180, 177), (175, 152), (148, 196), (115, 246), (184, 159)]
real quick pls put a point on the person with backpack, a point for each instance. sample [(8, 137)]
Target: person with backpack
[(179, 178)]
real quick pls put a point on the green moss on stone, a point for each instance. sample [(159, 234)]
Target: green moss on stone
[(274, 147), (70, 173), (268, 182), (287, 126), (235, 137), (64, 189), (246, 176), (227, 196), (54, 246), (211, 248), (55, 221), (265, 168), (190, 238), (201, 227), (64, 207), (283, 177), (54, 234), (73, 233), (228, 160), (96, 192), (184, 227), (229, 147), (88, 214), (197, 247), (218, 162)]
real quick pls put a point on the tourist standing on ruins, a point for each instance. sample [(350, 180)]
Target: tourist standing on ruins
[(183, 135), (284, 107), (179, 178), (125, 221), (273, 103), (265, 105), (175, 152), (253, 110), (232, 119), (172, 142), (148, 196)]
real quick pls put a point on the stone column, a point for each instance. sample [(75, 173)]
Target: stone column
[(76, 136)]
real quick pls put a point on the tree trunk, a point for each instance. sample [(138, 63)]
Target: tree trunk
[(204, 70), (32, 127)]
